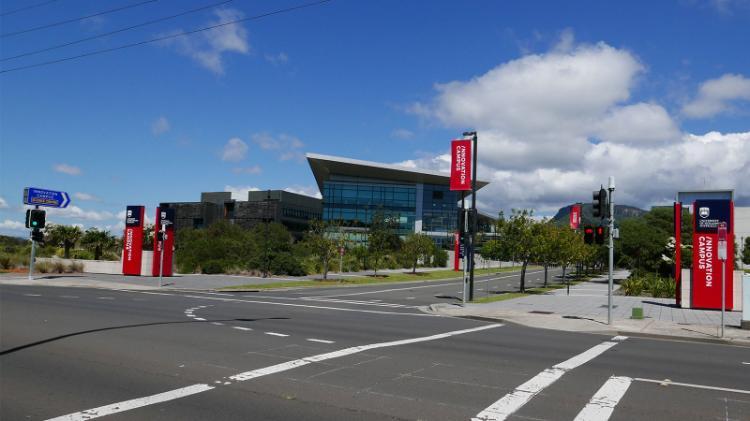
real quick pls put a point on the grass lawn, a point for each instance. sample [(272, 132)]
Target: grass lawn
[(529, 291), (382, 278)]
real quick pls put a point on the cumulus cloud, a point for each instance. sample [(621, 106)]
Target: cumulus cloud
[(716, 96), (254, 170), (240, 192), (553, 126), (235, 150), (289, 146), (67, 169), (12, 225), (3, 204), (85, 197), (209, 47), (75, 212), (160, 125), (311, 191)]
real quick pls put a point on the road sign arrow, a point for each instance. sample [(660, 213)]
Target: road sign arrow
[(42, 197)]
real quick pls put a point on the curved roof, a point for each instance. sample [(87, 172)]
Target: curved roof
[(324, 165)]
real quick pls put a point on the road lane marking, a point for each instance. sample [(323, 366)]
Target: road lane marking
[(105, 298), (696, 386), (200, 319), (134, 403), (276, 334), (217, 323), (241, 328), (202, 387), (323, 341), (748, 363), (68, 296), (603, 403), (33, 295), (514, 400), (241, 377)]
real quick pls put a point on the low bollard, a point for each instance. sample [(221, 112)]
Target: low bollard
[(637, 313)]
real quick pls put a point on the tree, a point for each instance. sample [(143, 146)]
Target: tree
[(148, 237), (545, 234), (65, 236), (380, 239), (360, 253), (516, 240), (567, 248), (746, 252), (417, 246), (98, 241), (321, 243)]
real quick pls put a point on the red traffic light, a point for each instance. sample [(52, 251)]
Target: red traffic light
[(588, 234), (600, 235)]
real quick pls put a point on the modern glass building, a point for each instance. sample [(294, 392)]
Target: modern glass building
[(413, 200)]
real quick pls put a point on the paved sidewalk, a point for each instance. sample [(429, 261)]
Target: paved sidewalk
[(585, 309)]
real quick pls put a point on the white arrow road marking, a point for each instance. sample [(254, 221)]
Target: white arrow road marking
[(323, 341), (514, 400), (603, 403), (241, 328), (198, 388), (276, 334)]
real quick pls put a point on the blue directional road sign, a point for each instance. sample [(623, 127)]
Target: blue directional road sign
[(43, 197)]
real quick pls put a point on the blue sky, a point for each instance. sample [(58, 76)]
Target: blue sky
[(562, 94)]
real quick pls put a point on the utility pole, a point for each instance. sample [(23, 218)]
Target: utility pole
[(463, 228), (610, 196), (472, 234), (266, 263)]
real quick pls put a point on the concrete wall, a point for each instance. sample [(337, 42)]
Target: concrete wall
[(113, 267)]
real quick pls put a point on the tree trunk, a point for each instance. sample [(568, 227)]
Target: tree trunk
[(97, 253), (325, 269), (523, 275), (414, 269), (545, 275), (67, 245)]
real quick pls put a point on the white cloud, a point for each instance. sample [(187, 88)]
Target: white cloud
[(85, 197), (553, 126), (235, 150), (75, 212), (3, 204), (255, 169), (240, 192), (403, 134), (160, 125), (67, 169), (12, 225), (716, 96), (288, 145), (209, 47), (277, 59), (311, 191)]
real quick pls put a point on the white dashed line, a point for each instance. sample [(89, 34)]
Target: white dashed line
[(241, 328), (275, 334), (748, 363), (198, 388), (217, 323), (200, 319), (514, 400), (603, 403), (33, 295), (105, 298), (68, 296), (323, 341)]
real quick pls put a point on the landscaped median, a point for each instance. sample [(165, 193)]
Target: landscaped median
[(382, 278), (529, 291)]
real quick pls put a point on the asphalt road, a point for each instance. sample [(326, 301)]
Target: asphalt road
[(197, 356)]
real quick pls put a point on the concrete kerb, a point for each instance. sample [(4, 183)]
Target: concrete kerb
[(661, 330)]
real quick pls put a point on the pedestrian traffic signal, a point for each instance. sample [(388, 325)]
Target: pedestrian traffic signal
[(600, 204), (588, 234), (35, 218), (599, 235), (37, 235)]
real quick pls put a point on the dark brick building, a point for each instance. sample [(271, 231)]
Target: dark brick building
[(291, 209)]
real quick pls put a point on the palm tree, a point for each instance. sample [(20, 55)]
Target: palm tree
[(98, 241), (65, 236)]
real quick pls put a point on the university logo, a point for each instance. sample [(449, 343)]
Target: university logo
[(704, 212), (130, 213)]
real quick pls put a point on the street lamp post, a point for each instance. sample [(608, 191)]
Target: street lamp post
[(610, 284), (472, 234)]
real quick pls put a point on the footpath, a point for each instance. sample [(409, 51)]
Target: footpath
[(585, 310)]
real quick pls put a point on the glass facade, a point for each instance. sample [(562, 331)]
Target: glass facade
[(426, 208)]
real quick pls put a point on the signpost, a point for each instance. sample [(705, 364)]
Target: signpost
[(722, 252), (41, 197)]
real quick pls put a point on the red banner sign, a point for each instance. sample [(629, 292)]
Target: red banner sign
[(707, 276), (132, 247), (461, 165), (575, 217)]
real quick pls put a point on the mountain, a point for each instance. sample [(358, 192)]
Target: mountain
[(587, 218)]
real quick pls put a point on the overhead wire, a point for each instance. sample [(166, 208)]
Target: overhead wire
[(166, 37), (31, 6), (63, 22), (116, 31)]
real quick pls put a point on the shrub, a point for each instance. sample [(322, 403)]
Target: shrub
[(440, 258), (213, 266), (286, 264), (632, 286), (76, 267), (58, 267), (7, 262), (83, 255), (42, 267)]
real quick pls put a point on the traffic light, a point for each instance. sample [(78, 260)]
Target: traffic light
[(588, 234), (600, 203), (600, 235), (37, 235), (35, 218)]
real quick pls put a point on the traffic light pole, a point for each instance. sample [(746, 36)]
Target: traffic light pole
[(610, 284), (33, 252)]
